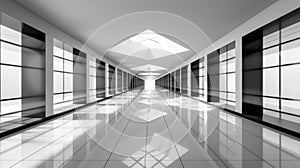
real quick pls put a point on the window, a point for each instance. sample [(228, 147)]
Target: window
[(281, 66), (80, 77), (100, 79), (197, 78), (22, 72), (62, 75), (125, 82), (221, 70), (227, 75), (201, 77), (173, 81), (184, 82), (119, 80), (93, 79), (112, 79), (177, 83)]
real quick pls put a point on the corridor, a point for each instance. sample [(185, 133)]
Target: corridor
[(157, 128)]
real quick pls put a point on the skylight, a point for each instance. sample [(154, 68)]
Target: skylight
[(148, 45), (150, 39), (149, 74), (149, 68)]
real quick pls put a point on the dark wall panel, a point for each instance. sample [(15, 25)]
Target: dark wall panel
[(195, 78), (213, 80), (252, 47), (80, 77), (100, 79), (33, 72)]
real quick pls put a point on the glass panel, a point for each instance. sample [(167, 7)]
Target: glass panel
[(57, 64), (58, 98), (271, 103), (290, 81), (290, 52), (290, 32), (231, 65), (68, 65), (223, 56), (68, 96), (58, 82), (11, 85), (231, 82), (271, 39), (63, 82), (11, 35), (223, 82), (271, 57), (231, 53), (10, 54), (68, 82), (10, 117), (222, 95), (290, 106), (11, 106), (223, 67), (270, 82), (58, 48), (231, 96), (68, 52)]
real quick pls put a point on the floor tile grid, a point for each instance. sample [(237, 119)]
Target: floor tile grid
[(224, 161), (46, 146), (249, 132), (184, 161), (147, 129), (13, 162), (28, 140), (173, 139), (244, 130), (58, 139), (139, 161), (166, 126), (131, 115), (147, 150), (65, 162), (267, 161)]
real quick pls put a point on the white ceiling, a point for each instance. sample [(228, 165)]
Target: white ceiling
[(102, 24)]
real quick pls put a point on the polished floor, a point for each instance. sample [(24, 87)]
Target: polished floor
[(150, 129)]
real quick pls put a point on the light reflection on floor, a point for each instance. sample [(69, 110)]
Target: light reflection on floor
[(150, 129)]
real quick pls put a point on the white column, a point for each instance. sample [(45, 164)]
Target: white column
[(88, 78), (180, 80), (122, 82), (189, 79), (116, 80), (106, 81), (205, 79), (49, 75), (238, 77)]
